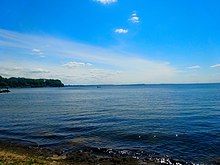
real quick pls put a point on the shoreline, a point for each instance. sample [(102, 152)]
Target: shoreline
[(15, 153)]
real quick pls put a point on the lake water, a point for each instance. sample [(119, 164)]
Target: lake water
[(181, 121)]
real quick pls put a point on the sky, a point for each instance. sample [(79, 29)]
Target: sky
[(111, 41)]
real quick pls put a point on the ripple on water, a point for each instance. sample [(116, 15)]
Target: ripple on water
[(178, 120)]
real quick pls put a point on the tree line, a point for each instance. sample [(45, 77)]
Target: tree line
[(27, 82)]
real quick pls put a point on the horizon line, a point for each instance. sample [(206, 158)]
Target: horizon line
[(140, 84)]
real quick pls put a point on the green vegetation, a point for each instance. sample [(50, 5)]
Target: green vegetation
[(26, 82), (14, 158)]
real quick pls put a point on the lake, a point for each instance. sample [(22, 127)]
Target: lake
[(179, 121)]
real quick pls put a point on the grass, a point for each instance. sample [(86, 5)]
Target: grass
[(10, 158)]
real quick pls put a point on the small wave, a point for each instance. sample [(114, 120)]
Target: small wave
[(143, 157), (77, 129), (19, 141), (11, 133), (46, 136)]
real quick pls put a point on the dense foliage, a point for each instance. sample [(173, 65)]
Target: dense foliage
[(26, 82)]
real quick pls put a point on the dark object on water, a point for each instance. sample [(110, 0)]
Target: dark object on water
[(98, 86), (5, 91)]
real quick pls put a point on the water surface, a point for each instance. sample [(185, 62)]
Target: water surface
[(181, 121)]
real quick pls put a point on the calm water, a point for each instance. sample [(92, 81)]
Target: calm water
[(182, 121)]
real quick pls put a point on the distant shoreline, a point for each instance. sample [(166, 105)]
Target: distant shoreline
[(14, 82), (95, 85), (114, 85)]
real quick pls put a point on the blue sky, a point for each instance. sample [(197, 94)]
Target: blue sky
[(111, 41)]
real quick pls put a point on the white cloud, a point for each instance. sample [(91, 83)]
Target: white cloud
[(12, 69), (38, 52), (194, 67), (108, 65), (38, 70), (134, 18), (121, 31), (106, 1), (76, 64), (214, 66), (133, 14)]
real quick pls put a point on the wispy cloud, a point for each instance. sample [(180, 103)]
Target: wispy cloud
[(38, 52), (38, 70), (194, 67), (72, 61), (121, 31), (214, 66), (11, 69), (77, 64), (106, 1), (134, 18)]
